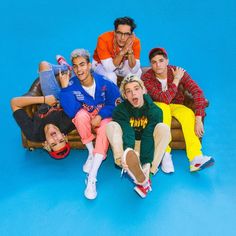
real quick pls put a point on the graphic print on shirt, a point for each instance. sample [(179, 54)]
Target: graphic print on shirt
[(45, 110), (79, 96), (91, 108), (140, 122)]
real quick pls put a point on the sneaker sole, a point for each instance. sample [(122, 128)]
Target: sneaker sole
[(90, 198), (205, 165), (208, 164), (86, 194), (134, 167), (86, 170), (167, 171)]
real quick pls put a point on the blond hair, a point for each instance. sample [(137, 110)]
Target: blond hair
[(128, 79)]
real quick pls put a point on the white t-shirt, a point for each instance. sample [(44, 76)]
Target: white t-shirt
[(90, 90), (164, 85)]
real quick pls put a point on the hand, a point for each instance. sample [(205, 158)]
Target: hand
[(199, 128), (64, 79), (128, 44), (118, 162), (51, 100), (96, 121), (178, 73)]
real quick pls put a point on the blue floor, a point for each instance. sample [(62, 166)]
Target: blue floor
[(41, 196)]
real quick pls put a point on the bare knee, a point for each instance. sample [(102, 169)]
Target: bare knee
[(44, 66), (113, 127), (162, 129)]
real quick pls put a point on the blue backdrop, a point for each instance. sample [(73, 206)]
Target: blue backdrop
[(39, 196)]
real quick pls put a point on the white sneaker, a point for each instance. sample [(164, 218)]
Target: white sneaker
[(201, 162), (88, 164), (90, 191), (167, 164)]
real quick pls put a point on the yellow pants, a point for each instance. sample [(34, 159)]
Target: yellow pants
[(186, 118)]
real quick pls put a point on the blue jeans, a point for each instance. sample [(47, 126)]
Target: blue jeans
[(48, 81)]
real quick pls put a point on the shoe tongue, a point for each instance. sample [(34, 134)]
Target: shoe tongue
[(146, 185)]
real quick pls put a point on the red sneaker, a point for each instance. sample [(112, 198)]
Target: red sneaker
[(142, 190), (62, 61)]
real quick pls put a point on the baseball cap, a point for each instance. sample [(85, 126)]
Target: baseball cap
[(61, 153)]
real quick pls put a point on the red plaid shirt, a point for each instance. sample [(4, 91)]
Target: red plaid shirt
[(173, 94)]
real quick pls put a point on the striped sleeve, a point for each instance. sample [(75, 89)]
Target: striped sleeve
[(154, 89), (198, 96)]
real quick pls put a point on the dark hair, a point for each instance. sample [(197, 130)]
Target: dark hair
[(157, 51), (125, 21)]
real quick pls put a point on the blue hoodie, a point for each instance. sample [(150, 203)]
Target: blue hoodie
[(74, 97)]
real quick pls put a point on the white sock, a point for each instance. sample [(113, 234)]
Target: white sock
[(97, 161), (90, 147)]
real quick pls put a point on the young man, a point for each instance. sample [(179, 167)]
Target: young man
[(118, 52), (163, 83), (89, 99), (137, 135), (48, 125)]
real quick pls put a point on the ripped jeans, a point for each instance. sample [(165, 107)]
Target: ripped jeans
[(48, 81)]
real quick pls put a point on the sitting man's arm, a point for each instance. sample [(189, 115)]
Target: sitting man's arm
[(199, 127), (131, 52), (112, 99), (199, 102), (25, 122), (20, 102), (67, 98), (105, 55), (132, 48), (154, 87)]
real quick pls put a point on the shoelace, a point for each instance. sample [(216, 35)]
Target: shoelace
[(93, 181), (122, 172)]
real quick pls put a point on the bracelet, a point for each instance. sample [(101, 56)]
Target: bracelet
[(44, 99), (130, 53)]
